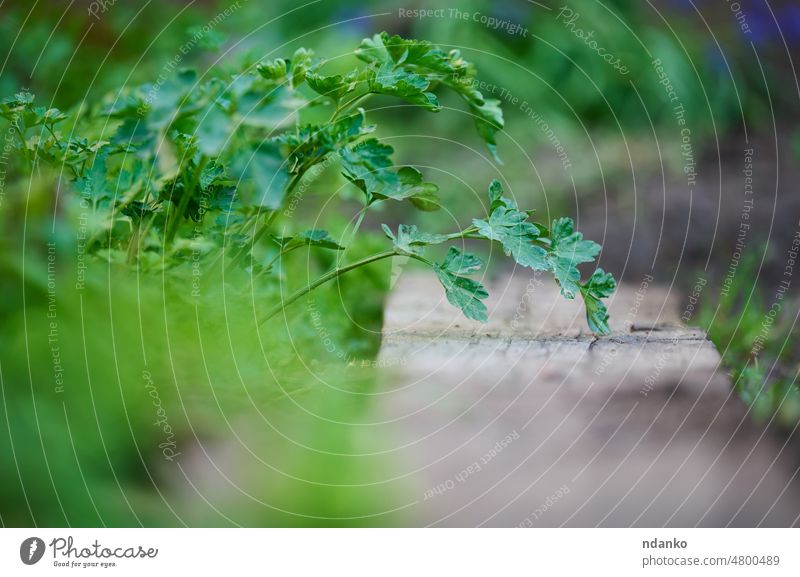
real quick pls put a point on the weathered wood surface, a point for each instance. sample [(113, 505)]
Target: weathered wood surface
[(528, 420)]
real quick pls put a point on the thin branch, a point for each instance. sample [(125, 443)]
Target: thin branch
[(335, 273)]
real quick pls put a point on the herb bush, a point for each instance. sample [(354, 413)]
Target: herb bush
[(115, 368), (192, 170)]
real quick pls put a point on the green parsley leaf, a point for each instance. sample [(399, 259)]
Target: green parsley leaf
[(309, 145), (567, 251), (262, 174), (391, 72), (313, 237), (368, 165), (274, 70), (457, 262), (214, 131), (333, 87), (489, 121), (462, 292), (509, 226), (165, 102), (403, 84), (301, 63), (409, 240), (409, 68), (95, 184), (600, 285), (422, 54)]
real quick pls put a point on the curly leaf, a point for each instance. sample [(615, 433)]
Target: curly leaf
[(96, 184), (600, 285), (462, 292), (509, 226), (368, 166), (274, 70), (333, 87), (567, 251), (457, 262), (403, 84), (300, 65), (409, 240), (311, 144)]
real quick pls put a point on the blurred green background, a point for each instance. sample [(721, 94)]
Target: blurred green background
[(581, 139)]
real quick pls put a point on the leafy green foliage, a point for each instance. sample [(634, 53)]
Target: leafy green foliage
[(300, 65), (764, 370), (94, 183), (409, 68), (462, 292), (368, 165), (312, 237), (567, 251), (310, 145), (509, 226), (19, 109), (559, 250), (410, 241), (208, 168), (599, 286), (334, 87)]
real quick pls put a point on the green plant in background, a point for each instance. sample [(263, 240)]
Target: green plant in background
[(203, 169), (764, 377)]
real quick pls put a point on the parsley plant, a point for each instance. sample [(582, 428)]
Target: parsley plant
[(209, 165)]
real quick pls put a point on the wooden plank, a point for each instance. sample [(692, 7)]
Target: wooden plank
[(530, 421)]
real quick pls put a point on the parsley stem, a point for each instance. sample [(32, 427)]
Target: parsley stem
[(259, 234), (283, 252), (188, 192), (134, 248), (276, 258), (53, 134), (356, 226), (23, 143), (348, 106), (335, 273), (58, 143), (468, 232)]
